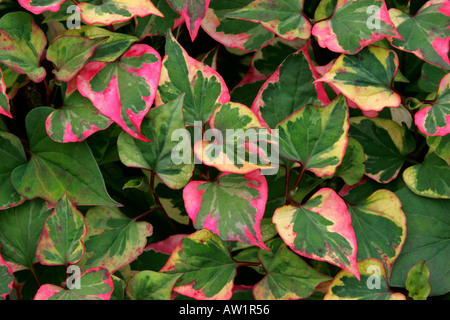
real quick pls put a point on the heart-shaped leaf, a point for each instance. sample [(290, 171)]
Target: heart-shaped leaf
[(56, 168), (123, 91), (243, 35), (151, 285), (70, 53), (426, 34), (285, 18), (287, 277), (39, 6), (386, 145), (61, 242), (373, 284), (5, 108), (22, 45), (282, 94), (321, 229), (6, 279), (354, 25), (232, 206), (113, 240), (241, 141), (417, 281), (12, 155), (316, 136), (95, 284), (430, 178), (20, 229), (107, 12), (434, 120), (380, 227), (206, 267), (205, 89), (193, 12), (427, 222), (160, 125)]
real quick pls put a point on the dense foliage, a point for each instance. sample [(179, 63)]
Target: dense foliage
[(214, 149)]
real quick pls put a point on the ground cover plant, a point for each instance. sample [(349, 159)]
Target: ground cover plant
[(211, 149)]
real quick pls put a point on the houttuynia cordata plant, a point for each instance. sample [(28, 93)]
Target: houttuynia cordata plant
[(213, 149)]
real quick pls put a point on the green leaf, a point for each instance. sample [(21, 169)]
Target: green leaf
[(107, 12), (12, 155), (124, 90), (285, 18), (440, 146), (5, 108), (95, 284), (61, 242), (193, 12), (287, 277), (426, 34), (372, 286), (152, 25), (232, 206), (434, 119), (22, 45), (160, 125), (321, 229), (151, 285), (113, 240), (366, 78), (386, 146), (55, 168), (282, 94), (428, 225), (354, 25), (430, 178), (431, 77), (243, 35), (205, 89), (6, 279), (316, 136), (206, 268), (20, 229), (380, 227), (352, 168), (417, 281)]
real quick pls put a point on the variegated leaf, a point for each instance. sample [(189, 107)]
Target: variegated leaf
[(380, 227), (107, 12), (22, 45), (426, 34), (61, 241), (373, 284), (205, 89), (56, 169), (430, 77), (206, 267), (430, 178), (366, 78), (285, 18), (232, 206), (386, 146), (123, 91), (113, 240), (39, 6), (321, 229), (20, 229), (281, 95), (193, 12), (152, 25), (69, 54), (95, 284), (240, 141), (6, 279), (287, 276), (417, 281), (440, 146), (352, 168), (434, 119), (151, 285), (160, 125), (5, 108), (316, 137), (243, 35), (354, 25)]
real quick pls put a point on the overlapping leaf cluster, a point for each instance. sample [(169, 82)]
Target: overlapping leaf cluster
[(112, 160)]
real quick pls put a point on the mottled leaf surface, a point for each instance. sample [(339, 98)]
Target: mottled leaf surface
[(5, 108), (39, 6), (417, 281), (193, 12), (6, 279), (153, 25), (352, 168), (151, 285)]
